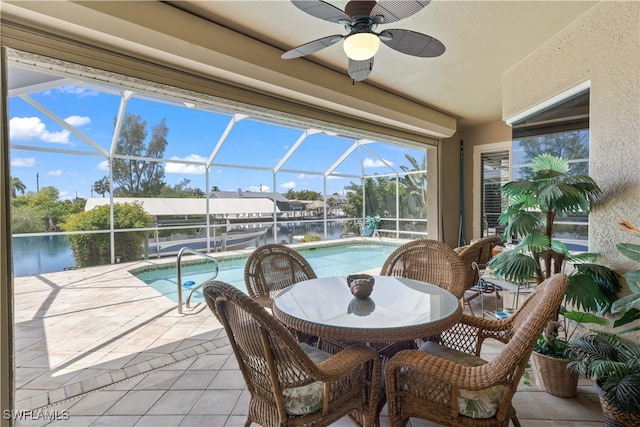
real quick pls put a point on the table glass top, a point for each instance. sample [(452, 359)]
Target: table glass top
[(394, 302)]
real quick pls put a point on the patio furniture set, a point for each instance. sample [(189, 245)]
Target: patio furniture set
[(312, 353)]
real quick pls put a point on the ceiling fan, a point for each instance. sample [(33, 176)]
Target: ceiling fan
[(360, 19)]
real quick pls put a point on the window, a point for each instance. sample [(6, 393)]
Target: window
[(491, 167), (494, 173), (562, 131)]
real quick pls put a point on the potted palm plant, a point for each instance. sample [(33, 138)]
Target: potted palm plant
[(612, 361), (534, 206), (614, 365), (549, 358)]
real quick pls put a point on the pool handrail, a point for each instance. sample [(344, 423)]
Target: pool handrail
[(179, 274)]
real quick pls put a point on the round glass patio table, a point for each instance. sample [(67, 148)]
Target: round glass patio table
[(398, 309)]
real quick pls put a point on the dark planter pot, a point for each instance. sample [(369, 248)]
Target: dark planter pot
[(614, 417), (551, 375)]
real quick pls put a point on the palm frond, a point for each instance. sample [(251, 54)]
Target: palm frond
[(630, 315), (581, 257), (563, 198), (534, 242), (607, 279), (626, 303), (633, 280), (624, 391), (629, 250), (587, 186), (547, 163), (584, 293), (517, 188), (548, 195), (413, 161), (558, 246), (513, 266), (629, 330), (523, 224), (583, 317)]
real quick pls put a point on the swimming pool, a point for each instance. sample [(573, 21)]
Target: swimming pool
[(330, 260)]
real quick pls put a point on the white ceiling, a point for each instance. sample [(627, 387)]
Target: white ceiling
[(483, 39)]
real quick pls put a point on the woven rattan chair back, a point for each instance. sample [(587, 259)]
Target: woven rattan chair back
[(272, 362), (479, 252), (422, 385), (429, 261), (272, 268)]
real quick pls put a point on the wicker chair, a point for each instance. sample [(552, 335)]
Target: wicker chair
[(429, 261), (293, 384), (478, 252), (272, 268), (440, 383)]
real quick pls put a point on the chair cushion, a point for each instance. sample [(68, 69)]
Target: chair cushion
[(471, 403), (460, 249), (306, 399)]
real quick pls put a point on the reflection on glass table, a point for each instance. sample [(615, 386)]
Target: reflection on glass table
[(397, 310)]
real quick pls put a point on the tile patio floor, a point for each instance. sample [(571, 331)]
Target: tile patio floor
[(101, 348)]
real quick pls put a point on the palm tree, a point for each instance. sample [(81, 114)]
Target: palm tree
[(101, 186), (17, 186), (416, 185), (534, 205), (331, 202)]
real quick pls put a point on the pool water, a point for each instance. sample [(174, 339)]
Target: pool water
[(335, 260)]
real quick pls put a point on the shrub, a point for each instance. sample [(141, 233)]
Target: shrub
[(94, 249), (310, 238)]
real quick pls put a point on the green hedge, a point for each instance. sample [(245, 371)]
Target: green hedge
[(95, 249)]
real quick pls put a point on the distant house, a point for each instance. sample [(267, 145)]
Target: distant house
[(285, 206), (231, 208)]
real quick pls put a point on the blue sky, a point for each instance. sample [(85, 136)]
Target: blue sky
[(193, 134)]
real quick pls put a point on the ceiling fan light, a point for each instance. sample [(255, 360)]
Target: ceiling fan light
[(361, 46)]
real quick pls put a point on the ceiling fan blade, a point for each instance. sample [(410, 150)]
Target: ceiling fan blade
[(322, 10), (312, 46), (360, 70), (413, 43), (395, 10)]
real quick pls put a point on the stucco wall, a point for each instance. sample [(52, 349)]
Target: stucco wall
[(473, 136), (603, 46), (450, 190), (450, 175)]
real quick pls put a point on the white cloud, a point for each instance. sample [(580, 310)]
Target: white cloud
[(57, 172), (74, 90), (185, 168), (288, 185), (301, 176), (254, 188), (23, 162), (65, 195), (29, 128), (78, 120), (371, 163), (103, 165)]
